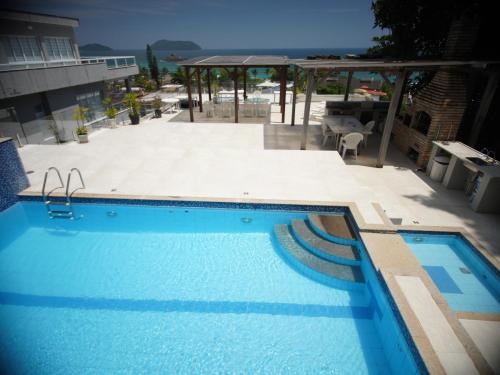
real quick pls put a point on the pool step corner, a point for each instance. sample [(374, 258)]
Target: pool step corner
[(318, 268), (335, 228)]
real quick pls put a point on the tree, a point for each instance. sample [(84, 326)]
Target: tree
[(417, 28), (155, 73), (276, 76), (149, 56), (179, 77)]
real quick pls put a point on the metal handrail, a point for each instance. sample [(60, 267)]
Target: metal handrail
[(45, 196), (68, 196), (21, 65)]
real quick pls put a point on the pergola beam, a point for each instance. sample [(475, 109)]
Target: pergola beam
[(307, 107), (348, 86), (283, 92), (209, 85), (294, 95), (200, 99), (244, 83), (190, 102), (235, 77), (391, 115)]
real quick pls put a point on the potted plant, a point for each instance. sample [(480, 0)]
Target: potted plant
[(130, 101), (81, 131), (83, 134), (110, 112), (157, 104)]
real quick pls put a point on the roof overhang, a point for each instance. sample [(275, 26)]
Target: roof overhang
[(391, 65), (16, 15), (236, 61)]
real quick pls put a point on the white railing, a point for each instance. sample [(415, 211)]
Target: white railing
[(112, 62)]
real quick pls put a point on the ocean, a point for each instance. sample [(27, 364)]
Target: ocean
[(295, 53)]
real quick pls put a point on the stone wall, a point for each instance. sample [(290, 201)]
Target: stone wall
[(444, 98)]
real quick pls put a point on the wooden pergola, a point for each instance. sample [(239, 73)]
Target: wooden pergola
[(400, 69), (235, 66)]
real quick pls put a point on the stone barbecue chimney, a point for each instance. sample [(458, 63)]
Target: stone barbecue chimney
[(438, 108)]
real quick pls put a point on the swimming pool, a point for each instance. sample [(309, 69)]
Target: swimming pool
[(135, 289), (465, 280)]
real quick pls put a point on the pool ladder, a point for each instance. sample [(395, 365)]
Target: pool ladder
[(61, 209)]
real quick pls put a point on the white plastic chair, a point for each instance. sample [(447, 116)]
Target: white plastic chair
[(368, 128), (350, 142), (327, 132)]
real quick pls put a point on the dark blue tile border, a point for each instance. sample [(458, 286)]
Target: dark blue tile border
[(421, 367), (195, 204)]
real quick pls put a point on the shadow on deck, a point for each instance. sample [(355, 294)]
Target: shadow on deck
[(286, 137)]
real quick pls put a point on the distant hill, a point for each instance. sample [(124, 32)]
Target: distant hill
[(175, 45), (95, 47)]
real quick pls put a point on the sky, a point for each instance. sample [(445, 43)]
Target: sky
[(214, 24)]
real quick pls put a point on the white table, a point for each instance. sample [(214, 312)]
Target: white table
[(174, 103), (340, 125)]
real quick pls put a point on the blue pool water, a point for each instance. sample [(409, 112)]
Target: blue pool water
[(464, 279), (155, 290)]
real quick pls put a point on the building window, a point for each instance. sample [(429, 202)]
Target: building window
[(22, 48), (59, 48), (93, 101)]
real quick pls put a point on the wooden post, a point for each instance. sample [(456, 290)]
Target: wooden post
[(307, 108), (209, 85), (244, 83), (283, 90), (484, 106), (200, 98), (188, 84), (391, 114), (348, 86), (235, 77), (294, 97)]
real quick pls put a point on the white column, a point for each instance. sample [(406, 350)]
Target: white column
[(307, 108), (391, 114)]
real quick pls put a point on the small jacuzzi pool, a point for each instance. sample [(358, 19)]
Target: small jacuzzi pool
[(467, 281)]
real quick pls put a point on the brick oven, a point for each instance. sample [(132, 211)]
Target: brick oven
[(437, 109)]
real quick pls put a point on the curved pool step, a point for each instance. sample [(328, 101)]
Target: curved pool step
[(324, 271), (335, 252), (335, 228)]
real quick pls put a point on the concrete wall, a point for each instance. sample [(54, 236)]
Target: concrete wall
[(30, 81)]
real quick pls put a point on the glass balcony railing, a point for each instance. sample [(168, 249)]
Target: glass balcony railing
[(112, 62)]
